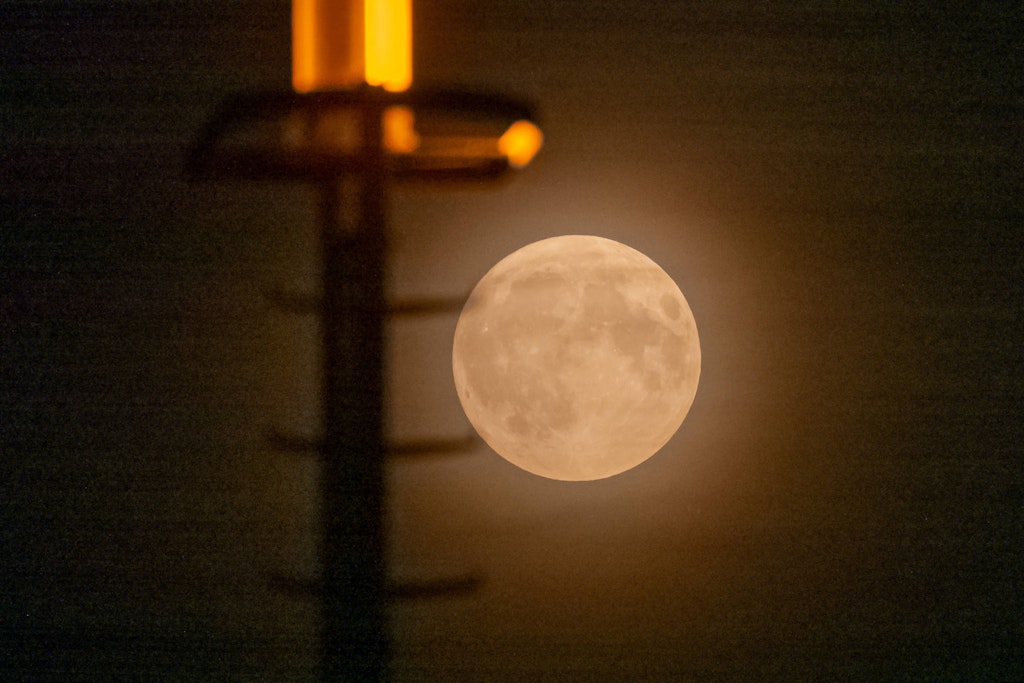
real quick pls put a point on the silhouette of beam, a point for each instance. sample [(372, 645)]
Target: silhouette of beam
[(301, 303), (432, 447), (312, 589), (303, 445), (427, 306)]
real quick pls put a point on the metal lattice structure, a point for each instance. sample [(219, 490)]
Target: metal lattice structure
[(336, 141)]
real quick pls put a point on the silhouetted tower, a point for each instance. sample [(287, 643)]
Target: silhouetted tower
[(338, 139), (351, 128)]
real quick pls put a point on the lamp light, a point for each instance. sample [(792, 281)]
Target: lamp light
[(339, 44), (351, 126), (520, 143)]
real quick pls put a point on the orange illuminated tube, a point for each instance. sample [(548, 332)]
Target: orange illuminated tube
[(520, 143), (388, 44), (345, 43), (303, 45), (327, 44), (400, 136)]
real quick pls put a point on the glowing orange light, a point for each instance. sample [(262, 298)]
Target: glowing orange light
[(400, 134), (389, 44), (303, 45), (344, 43), (327, 44), (520, 143)]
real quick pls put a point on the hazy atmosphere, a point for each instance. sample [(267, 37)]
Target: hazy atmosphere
[(836, 188)]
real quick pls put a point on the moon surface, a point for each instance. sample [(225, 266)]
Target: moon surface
[(576, 358)]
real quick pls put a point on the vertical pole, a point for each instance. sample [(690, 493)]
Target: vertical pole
[(353, 243)]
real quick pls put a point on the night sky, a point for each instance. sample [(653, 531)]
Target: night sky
[(836, 188)]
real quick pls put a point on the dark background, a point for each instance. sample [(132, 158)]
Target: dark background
[(837, 190)]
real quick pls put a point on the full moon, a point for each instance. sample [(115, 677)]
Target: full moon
[(576, 358)]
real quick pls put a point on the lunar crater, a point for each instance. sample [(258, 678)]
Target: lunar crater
[(576, 358)]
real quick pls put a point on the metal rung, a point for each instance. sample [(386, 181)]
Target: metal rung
[(293, 302), (405, 590), (292, 444), (308, 304), (434, 588), (296, 588), (427, 306), (306, 445), (433, 447)]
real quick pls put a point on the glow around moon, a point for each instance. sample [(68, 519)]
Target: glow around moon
[(576, 358)]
